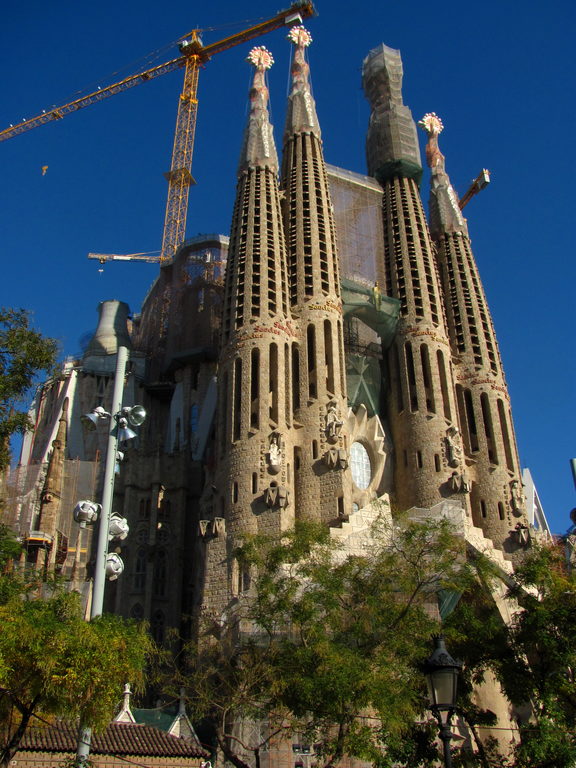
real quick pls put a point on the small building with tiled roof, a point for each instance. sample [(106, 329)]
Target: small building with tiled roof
[(117, 746)]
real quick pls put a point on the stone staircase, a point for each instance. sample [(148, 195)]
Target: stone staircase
[(355, 533)]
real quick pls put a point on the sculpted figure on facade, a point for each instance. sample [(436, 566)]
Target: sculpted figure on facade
[(516, 497), (275, 453), (333, 423), (459, 482), (453, 447), (336, 458), (276, 496), (522, 534)]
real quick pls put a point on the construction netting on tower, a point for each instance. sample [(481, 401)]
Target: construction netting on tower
[(357, 201), (25, 511), (180, 314), (370, 318)]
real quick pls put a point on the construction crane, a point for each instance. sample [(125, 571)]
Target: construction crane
[(104, 257), (193, 55), (480, 182)]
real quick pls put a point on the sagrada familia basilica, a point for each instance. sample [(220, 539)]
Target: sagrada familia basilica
[(333, 359)]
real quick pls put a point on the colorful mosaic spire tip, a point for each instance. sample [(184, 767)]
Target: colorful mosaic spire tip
[(260, 57), (300, 36), (431, 123)]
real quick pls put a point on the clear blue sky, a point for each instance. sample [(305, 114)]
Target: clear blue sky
[(501, 75)]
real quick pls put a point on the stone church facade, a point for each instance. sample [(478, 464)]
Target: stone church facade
[(325, 356)]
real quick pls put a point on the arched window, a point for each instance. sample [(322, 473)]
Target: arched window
[(255, 388), (164, 510), (157, 627), (427, 378), (411, 376), (237, 418), (140, 570), (443, 384), (273, 383), (505, 435), (488, 428), (295, 377), (311, 357), (137, 612), (160, 573), (329, 357)]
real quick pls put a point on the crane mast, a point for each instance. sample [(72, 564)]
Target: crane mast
[(180, 174), (194, 54)]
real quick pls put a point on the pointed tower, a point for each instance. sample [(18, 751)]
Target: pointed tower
[(422, 409), (51, 497), (481, 392), (253, 488), (318, 368)]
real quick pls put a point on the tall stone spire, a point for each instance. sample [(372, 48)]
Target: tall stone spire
[(485, 418), (422, 409), (258, 149), (301, 112), (323, 484), (50, 499), (308, 219), (445, 213), (252, 489), (256, 286)]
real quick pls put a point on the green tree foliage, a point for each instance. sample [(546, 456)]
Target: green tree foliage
[(534, 658), (327, 645), (53, 663), (24, 353), (543, 642)]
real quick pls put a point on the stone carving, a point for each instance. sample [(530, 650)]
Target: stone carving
[(219, 526), (453, 448), (275, 453), (571, 547), (517, 498), (333, 423), (342, 462), (276, 496), (459, 482), (203, 526), (521, 534), (336, 458)]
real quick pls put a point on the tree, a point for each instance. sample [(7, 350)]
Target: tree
[(24, 353), (534, 658), (55, 664), (542, 639), (327, 645)]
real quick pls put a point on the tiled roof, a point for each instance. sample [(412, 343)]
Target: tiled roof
[(115, 739)]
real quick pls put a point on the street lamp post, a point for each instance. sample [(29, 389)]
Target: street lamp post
[(442, 677), (108, 488), (106, 565)]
